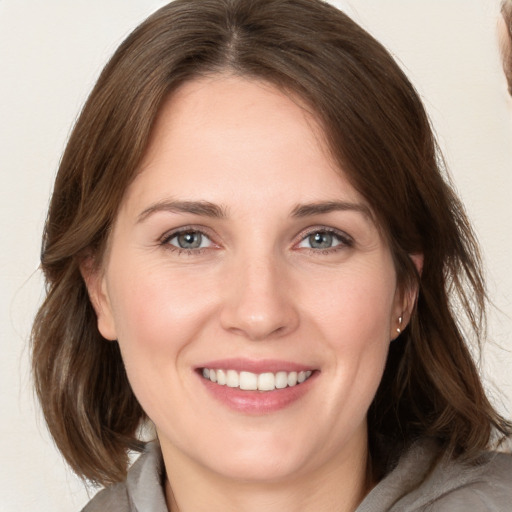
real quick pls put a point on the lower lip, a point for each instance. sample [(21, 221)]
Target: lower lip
[(258, 402)]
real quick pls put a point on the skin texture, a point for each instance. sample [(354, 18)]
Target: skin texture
[(255, 290)]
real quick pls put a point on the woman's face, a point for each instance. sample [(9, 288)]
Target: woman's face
[(242, 254)]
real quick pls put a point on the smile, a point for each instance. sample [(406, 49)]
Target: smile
[(249, 381)]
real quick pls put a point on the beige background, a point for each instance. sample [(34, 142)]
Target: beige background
[(50, 55)]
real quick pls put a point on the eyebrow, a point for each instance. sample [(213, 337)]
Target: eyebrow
[(307, 210), (203, 208), (207, 209)]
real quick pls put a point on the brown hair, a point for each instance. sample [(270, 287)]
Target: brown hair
[(506, 11), (379, 135)]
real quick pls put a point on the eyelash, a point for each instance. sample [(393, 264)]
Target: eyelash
[(165, 241), (343, 239)]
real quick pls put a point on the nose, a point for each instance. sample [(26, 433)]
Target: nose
[(258, 300)]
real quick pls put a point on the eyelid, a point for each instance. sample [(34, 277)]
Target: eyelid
[(345, 239), (169, 235)]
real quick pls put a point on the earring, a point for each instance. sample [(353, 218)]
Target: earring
[(399, 328)]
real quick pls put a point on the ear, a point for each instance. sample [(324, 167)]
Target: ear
[(406, 301), (96, 285)]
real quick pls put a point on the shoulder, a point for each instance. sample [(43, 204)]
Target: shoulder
[(113, 498), (142, 490), (424, 481), (482, 485)]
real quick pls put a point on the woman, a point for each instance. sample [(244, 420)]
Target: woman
[(251, 245)]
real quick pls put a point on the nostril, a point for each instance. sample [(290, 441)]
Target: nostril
[(258, 305)]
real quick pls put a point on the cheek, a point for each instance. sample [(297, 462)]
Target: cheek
[(157, 313), (354, 317), (149, 297), (355, 306)]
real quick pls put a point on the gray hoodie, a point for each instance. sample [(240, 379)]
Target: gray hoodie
[(421, 481)]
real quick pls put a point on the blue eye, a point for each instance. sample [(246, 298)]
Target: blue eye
[(323, 240), (189, 240)]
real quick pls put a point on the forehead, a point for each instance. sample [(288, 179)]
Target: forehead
[(224, 134), (232, 110)]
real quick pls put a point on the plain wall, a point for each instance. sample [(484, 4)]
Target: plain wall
[(51, 52)]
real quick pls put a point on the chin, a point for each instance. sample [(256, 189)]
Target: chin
[(246, 456), (258, 468)]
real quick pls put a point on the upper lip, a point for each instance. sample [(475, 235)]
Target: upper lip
[(255, 366)]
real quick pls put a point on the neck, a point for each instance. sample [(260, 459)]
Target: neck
[(340, 485)]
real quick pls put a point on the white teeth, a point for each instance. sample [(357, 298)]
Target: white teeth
[(249, 381), (232, 379), (281, 380), (221, 377), (292, 378), (266, 382)]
